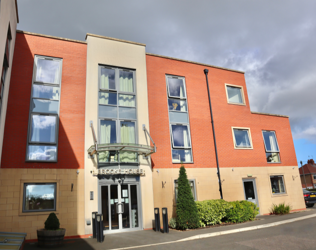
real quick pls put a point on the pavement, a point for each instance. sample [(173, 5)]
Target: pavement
[(151, 239)]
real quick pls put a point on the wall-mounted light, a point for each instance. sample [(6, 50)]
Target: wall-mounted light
[(78, 171), (294, 177), (232, 169)]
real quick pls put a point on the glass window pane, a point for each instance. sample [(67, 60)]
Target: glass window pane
[(126, 81), (134, 206), (242, 138), (177, 105), (107, 131), (43, 128), (181, 155), (107, 156), (127, 100), (107, 111), (127, 132), (107, 98), (178, 117), (107, 78), (127, 113), (277, 184), (105, 207), (44, 106), (48, 71), (47, 92), (273, 157), (270, 141), (39, 197), (176, 87), (234, 94), (42, 153), (180, 136)]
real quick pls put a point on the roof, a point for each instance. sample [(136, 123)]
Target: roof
[(308, 169), (203, 64), (259, 113)]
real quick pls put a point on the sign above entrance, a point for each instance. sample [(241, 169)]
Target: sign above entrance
[(119, 171)]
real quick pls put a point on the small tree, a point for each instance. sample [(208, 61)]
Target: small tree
[(187, 214), (52, 222)]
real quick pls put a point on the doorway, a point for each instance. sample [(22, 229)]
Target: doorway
[(120, 207), (250, 191)]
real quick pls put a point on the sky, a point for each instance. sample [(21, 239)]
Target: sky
[(273, 42)]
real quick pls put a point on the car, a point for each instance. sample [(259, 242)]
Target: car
[(310, 198)]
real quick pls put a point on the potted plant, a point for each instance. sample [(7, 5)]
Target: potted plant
[(51, 235)]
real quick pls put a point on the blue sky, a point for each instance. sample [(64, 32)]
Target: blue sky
[(304, 150)]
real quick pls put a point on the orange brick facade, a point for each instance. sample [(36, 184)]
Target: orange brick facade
[(225, 116), (72, 102)]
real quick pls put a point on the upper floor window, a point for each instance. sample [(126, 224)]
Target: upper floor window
[(117, 112), (235, 94), (242, 138), (179, 120), (44, 110), (271, 146)]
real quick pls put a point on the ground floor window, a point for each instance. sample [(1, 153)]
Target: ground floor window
[(39, 197), (277, 184), (192, 187)]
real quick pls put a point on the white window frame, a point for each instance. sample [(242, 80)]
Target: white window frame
[(249, 136), (269, 151), (31, 113), (242, 94), (277, 175), (194, 188), (179, 123)]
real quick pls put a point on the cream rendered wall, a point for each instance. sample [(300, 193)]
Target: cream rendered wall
[(7, 16), (232, 185), (117, 53)]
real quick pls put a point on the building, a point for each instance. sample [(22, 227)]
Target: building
[(308, 174), (101, 125)]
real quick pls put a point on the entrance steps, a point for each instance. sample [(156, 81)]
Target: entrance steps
[(9, 240)]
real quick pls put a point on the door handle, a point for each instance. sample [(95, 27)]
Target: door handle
[(117, 207), (122, 208)]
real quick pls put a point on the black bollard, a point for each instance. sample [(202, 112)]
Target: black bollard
[(101, 228), (94, 233), (98, 219), (157, 219), (165, 220)]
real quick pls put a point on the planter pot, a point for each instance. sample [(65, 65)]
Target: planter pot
[(47, 238)]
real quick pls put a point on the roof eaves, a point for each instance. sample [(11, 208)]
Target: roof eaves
[(115, 39)]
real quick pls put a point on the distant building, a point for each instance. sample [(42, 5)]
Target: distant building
[(308, 174)]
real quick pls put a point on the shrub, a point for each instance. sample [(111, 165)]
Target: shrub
[(52, 222), (241, 211), (173, 223), (280, 209), (187, 216), (212, 212)]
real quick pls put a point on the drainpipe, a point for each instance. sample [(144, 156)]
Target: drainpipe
[(303, 174), (218, 173)]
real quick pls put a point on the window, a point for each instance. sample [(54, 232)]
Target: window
[(5, 65), (192, 187), (179, 120), (39, 197), (242, 138), (314, 176), (117, 113), (44, 110), (277, 184), (271, 146), (235, 94)]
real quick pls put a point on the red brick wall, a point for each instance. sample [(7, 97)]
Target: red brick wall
[(225, 116), (72, 102)]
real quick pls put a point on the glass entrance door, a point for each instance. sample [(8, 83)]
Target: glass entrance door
[(120, 207), (250, 191)]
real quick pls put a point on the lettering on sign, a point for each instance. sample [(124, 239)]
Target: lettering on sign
[(119, 171)]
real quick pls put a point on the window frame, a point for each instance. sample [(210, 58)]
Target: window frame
[(265, 147), (249, 137), (167, 76), (241, 91), (23, 194), (29, 143), (117, 120), (194, 188), (278, 175)]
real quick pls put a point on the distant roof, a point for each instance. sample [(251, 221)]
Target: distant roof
[(259, 113), (308, 169)]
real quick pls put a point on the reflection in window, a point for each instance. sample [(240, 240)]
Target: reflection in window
[(43, 129), (107, 78), (42, 153), (48, 71), (271, 146), (127, 100), (242, 138), (277, 184), (128, 136), (44, 106), (39, 197), (176, 87), (177, 105), (45, 92), (234, 95), (181, 155), (126, 81), (180, 136), (107, 98)]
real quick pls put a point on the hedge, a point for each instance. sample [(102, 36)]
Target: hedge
[(241, 211)]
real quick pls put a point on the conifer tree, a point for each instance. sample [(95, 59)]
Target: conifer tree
[(187, 214)]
